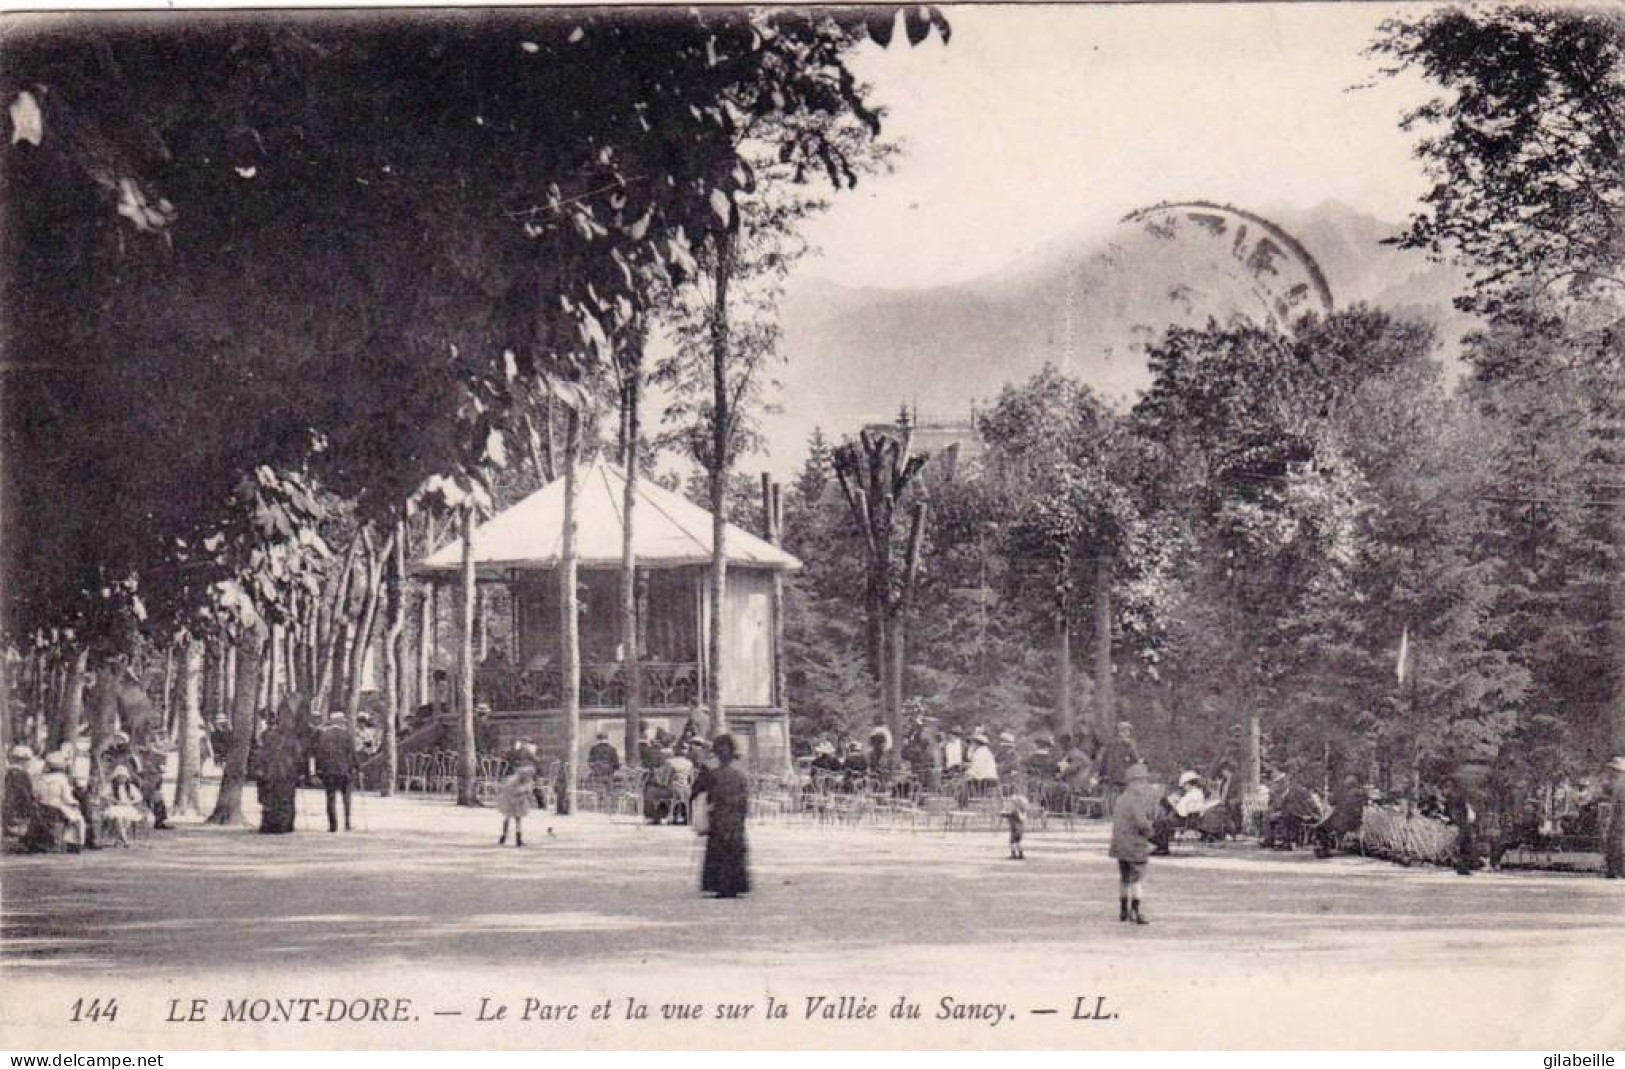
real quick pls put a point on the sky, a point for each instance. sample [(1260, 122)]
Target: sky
[(1042, 120)]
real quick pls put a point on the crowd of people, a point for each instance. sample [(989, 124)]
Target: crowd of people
[(75, 797), (684, 780), (88, 793)]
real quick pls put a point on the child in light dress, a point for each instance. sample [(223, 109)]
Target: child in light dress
[(125, 809), (514, 801)]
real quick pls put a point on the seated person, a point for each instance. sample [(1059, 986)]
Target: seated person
[(882, 759), (1075, 767), (657, 793), (1180, 807), (60, 804), (825, 759), (125, 809), (1348, 811), (982, 769), (603, 759), (19, 807), (1042, 766), (647, 759), (856, 766), (1293, 808), (1188, 798)]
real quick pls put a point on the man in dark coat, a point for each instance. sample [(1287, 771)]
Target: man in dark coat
[(604, 759), (726, 873), (336, 764), (1614, 835)]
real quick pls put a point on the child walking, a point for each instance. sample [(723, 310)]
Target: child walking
[(1015, 812), (1133, 825), (514, 800)]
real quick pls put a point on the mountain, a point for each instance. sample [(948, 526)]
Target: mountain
[(1086, 303)]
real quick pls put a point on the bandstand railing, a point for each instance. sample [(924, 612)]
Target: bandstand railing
[(603, 685)]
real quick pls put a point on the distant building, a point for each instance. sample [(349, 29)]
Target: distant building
[(950, 443)]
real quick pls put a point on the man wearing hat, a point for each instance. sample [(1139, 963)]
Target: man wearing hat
[(1115, 760), (336, 763), (1614, 834), (1134, 817)]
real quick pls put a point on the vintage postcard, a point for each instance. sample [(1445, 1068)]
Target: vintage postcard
[(1020, 526)]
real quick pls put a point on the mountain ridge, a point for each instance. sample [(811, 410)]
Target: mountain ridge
[(1085, 301)]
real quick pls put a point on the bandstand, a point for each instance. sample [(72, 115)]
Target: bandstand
[(522, 685)]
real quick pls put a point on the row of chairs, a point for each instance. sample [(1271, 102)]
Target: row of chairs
[(875, 802), (440, 772)]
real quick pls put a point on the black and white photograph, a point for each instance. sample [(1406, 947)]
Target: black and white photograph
[(1089, 527)]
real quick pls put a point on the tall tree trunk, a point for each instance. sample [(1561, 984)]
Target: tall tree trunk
[(228, 807), (773, 523), (228, 680), (395, 661), (1255, 747), (1105, 685), (7, 737), (267, 680), (721, 440), (425, 633), (467, 750), (569, 617), (188, 771), (1616, 527), (373, 576), (631, 647), (874, 623), (312, 651), (345, 668), (168, 709), (331, 649), (897, 626), (72, 707), (102, 718), (426, 622), (213, 666), (1063, 657)]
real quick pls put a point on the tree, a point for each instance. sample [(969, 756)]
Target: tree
[(1055, 453), (259, 229), (874, 474), (1524, 147), (1528, 169)]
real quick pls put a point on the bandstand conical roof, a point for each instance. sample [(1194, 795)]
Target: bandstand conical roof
[(669, 531)]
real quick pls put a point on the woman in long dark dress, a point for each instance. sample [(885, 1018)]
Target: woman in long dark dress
[(281, 765), (727, 795)]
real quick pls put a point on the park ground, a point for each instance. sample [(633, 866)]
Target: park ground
[(1246, 948)]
